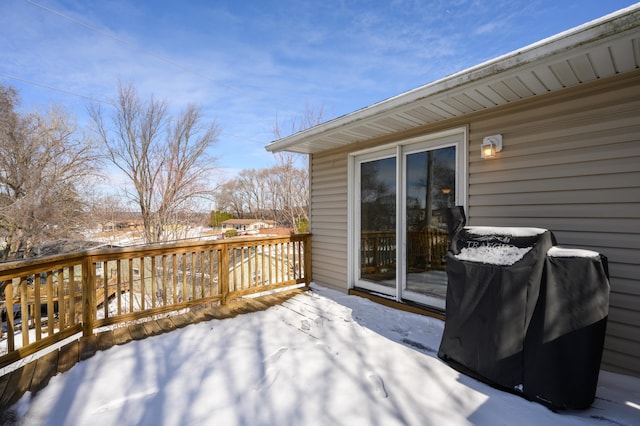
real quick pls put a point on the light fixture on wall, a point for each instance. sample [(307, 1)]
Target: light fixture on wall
[(491, 145)]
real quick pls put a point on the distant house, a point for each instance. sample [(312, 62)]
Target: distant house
[(560, 120), (247, 225)]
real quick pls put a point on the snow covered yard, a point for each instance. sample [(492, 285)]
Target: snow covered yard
[(322, 358)]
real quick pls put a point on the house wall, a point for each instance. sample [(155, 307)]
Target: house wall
[(328, 219), (571, 164)]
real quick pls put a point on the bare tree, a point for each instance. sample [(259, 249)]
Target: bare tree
[(43, 163), (165, 158), (293, 182), (311, 116), (229, 198), (280, 192), (277, 193), (289, 190)]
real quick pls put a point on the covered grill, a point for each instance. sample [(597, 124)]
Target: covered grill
[(524, 315)]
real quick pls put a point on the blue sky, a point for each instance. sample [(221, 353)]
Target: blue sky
[(246, 62)]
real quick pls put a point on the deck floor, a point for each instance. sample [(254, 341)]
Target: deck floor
[(34, 375)]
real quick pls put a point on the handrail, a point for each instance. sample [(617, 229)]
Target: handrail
[(48, 299)]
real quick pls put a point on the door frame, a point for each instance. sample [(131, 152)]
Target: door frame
[(454, 137)]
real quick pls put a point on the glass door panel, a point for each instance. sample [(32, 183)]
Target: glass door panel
[(378, 224), (429, 190)]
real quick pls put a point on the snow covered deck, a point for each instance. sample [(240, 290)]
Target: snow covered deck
[(319, 358)]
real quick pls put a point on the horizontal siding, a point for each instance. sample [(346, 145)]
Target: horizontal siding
[(571, 164), (561, 196), (329, 220), (625, 301), (617, 362), (599, 173), (623, 331), (593, 210), (600, 239)]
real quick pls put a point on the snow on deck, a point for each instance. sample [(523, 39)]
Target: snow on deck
[(321, 358)]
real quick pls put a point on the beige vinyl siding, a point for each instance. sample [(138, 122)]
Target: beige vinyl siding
[(571, 164), (328, 218)]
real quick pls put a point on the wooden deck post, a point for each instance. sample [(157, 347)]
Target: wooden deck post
[(88, 296), (223, 274), (307, 260)]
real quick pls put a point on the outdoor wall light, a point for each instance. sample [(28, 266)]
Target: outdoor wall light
[(491, 145)]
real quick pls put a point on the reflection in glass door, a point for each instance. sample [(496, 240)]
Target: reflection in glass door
[(429, 190), (378, 224)]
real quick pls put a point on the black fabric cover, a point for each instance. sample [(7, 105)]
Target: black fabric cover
[(489, 308), (535, 328), (564, 345)]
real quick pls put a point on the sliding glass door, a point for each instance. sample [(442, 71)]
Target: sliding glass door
[(430, 187), (400, 233), (377, 219)]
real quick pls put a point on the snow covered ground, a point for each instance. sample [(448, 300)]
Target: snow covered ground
[(322, 358)]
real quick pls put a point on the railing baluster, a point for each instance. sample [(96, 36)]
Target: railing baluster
[(246, 265), (231, 268), (72, 295), (50, 304), (193, 275), (223, 273), (279, 256), (62, 303), (271, 262), (131, 285), (37, 310), (154, 295), (89, 290), (143, 284), (119, 285), (288, 267), (8, 297), (211, 270), (184, 278), (262, 273), (24, 311), (200, 273), (105, 283), (253, 277), (174, 276), (299, 243)]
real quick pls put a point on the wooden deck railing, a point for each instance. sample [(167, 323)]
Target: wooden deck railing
[(46, 300)]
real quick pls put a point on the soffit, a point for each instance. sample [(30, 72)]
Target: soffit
[(603, 48)]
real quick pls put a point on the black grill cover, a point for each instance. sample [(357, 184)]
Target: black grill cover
[(564, 344), (534, 327), (489, 306)]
